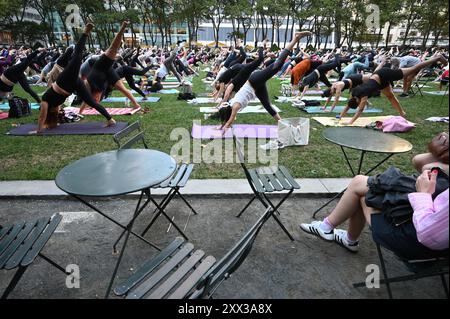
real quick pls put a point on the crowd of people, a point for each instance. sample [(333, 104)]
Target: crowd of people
[(239, 76)]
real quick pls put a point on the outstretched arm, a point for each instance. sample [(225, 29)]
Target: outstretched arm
[(360, 110)]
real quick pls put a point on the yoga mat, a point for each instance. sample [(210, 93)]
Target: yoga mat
[(3, 116), (361, 122), (170, 85), (86, 128), (111, 110), (287, 99), (338, 109), (241, 131), (168, 91), (34, 106), (397, 90), (436, 92), (122, 99), (206, 100), (247, 110)]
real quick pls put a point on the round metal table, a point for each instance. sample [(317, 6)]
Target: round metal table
[(364, 140), (116, 173)]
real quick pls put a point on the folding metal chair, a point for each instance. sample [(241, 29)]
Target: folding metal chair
[(129, 137), (179, 272), (265, 180), (418, 269), (21, 243)]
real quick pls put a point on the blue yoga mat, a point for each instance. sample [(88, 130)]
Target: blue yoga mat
[(338, 109), (78, 128), (34, 106), (122, 99), (168, 91)]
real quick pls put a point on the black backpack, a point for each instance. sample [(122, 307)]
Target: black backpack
[(186, 96), (18, 107), (311, 102)]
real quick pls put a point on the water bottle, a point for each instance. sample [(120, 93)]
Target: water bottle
[(337, 120)]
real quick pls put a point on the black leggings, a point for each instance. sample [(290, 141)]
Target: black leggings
[(241, 58), (15, 74), (388, 75), (258, 81), (64, 59), (98, 77), (244, 74), (127, 72), (69, 81)]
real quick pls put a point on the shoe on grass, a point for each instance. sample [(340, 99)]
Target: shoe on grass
[(314, 229), (340, 236)]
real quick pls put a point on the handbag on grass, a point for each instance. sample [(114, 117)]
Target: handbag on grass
[(439, 147), (18, 107)]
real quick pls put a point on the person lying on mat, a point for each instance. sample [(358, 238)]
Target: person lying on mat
[(423, 235), (256, 87), (381, 81), (69, 82)]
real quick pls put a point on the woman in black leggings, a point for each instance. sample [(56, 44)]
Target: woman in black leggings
[(15, 74), (381, 81), (239, 80), (256, 87), (127, 72), (101, 73), (67, 83)]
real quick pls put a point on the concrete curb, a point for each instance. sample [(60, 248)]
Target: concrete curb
[(324, 187)]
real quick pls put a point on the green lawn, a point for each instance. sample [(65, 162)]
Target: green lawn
[(41, 157)]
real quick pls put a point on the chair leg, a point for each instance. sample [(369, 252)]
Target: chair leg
[(246, 206), (185, 201), (19, 273), (54, 264), (383, 268), (444, 284)]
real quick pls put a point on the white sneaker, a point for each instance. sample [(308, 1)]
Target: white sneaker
[(272, 145), (340, 236), (314, 228)]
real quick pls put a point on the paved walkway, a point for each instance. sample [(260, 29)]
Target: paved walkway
[(309, 186)]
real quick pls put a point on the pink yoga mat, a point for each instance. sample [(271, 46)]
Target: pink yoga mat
[(3, 116), (241, 131), (112, 111)]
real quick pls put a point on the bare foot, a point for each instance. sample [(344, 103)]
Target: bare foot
[(137, 106), (88, 28), (110, 122)]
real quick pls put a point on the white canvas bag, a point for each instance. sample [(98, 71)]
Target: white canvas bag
[(293, 131)]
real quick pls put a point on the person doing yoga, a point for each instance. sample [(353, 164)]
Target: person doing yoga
[(381, 81), (68, 82), (15, 74), (256, 87), (101, 73)]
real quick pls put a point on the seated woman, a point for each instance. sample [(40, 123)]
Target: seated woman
[(67, 83), (256, 87), (426, 235), (381, 81), (427, 161), (15, 74)]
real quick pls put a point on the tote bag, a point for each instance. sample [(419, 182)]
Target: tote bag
[(293, 131)]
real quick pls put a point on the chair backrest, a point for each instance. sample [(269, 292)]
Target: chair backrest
[(129, 136), (241, 157), (230, 262)]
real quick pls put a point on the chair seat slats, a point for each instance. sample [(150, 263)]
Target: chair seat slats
[(17, 241), (175, 278), (186, 175), (275, 183), (193, 279), (282, 180), (256, 181), (181, 170), (263, 178), (148, 267), (154, 279), (4, 231), (18, 255), (289, 177), (10, 236), (42, 240)]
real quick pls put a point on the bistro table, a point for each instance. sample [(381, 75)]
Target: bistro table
[(115, 173), (366, 141)]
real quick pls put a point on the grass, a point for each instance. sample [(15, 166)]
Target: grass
[(41, 157)]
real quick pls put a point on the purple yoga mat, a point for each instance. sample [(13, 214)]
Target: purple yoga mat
[(85, 128), (241, 131)]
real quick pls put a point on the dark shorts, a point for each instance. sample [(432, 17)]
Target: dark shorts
[(5, 87), (402, 239)]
